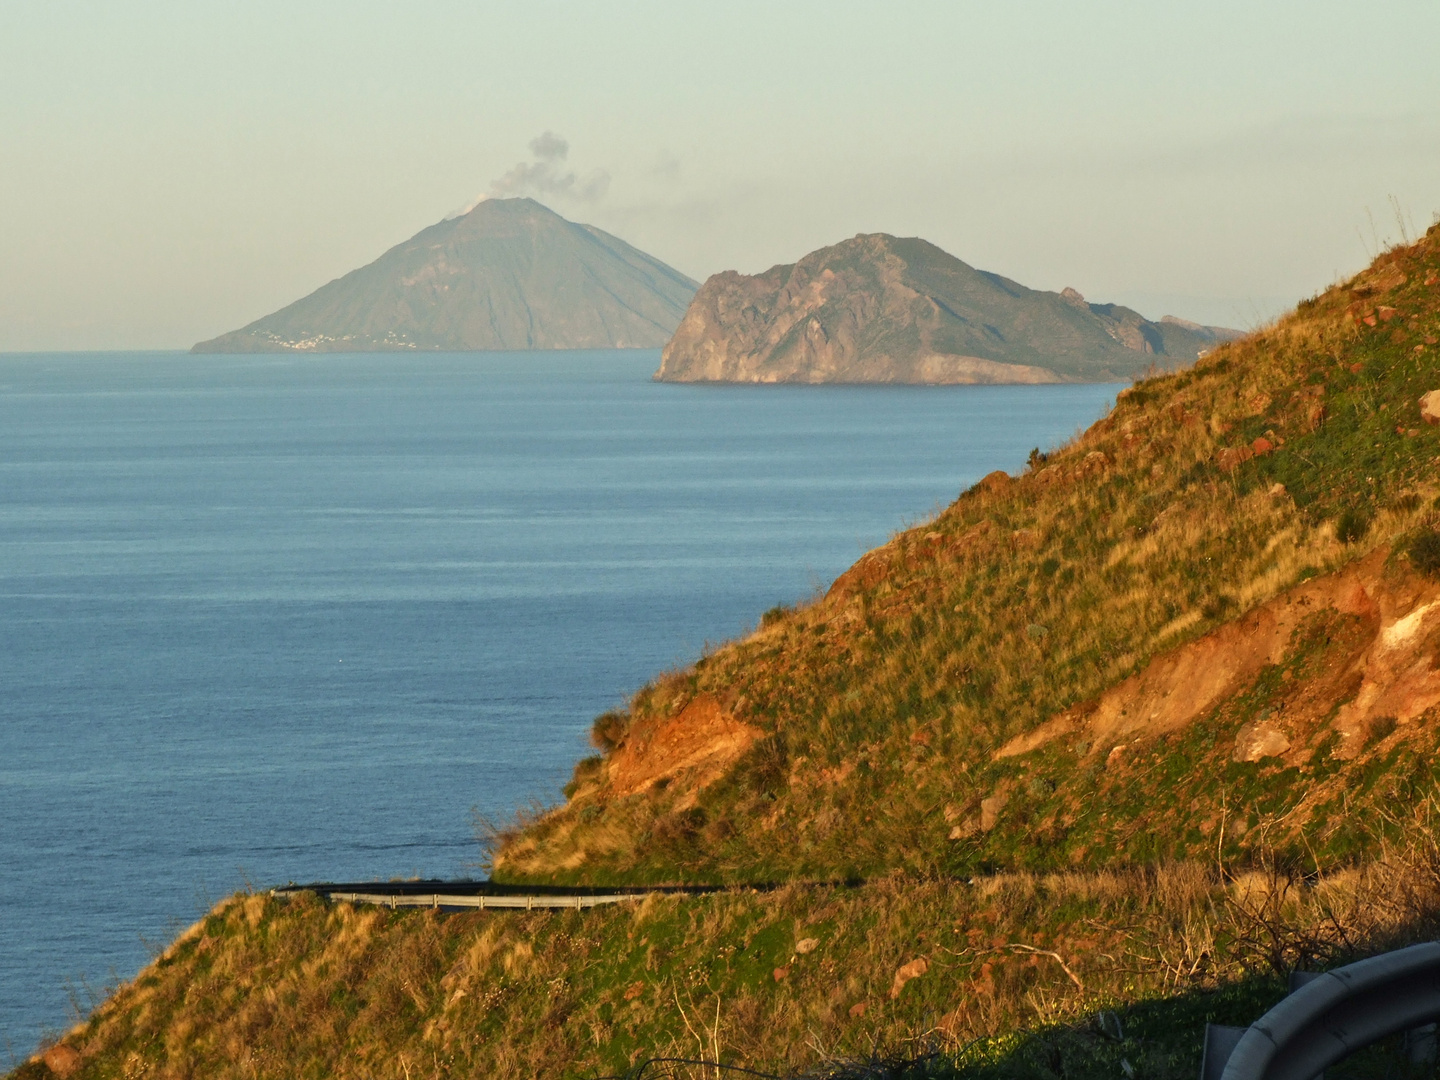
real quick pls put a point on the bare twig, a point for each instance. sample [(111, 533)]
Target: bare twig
[(1054, 956)]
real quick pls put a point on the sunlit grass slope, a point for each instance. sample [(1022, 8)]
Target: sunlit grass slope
[(944, 707), (1016, 975)]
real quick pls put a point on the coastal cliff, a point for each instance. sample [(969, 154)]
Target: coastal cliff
[(882, 309)]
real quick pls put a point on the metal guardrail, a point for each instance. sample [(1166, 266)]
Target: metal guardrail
[(484, 895), (1330, 1016), (481, 902)]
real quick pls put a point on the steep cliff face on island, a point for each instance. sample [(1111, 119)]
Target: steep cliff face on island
[(510, 274), (883, 309)]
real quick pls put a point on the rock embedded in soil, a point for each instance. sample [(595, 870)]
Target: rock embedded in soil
[(1430, 407), (1258, 741)]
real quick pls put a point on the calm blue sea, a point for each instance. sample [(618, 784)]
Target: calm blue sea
[(291, 618)]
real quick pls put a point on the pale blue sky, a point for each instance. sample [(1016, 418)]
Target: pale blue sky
[(170, 170)]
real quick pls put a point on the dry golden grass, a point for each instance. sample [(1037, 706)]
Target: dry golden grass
[(781, 981)]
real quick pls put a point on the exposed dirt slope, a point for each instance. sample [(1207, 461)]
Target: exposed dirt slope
[(1388, 668), (1201, 626)]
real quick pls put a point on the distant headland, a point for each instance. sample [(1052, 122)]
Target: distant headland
[(882, 309)]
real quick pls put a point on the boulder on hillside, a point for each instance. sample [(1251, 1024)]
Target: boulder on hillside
[(1430, 407)]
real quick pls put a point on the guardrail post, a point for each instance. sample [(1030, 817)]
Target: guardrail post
[(1420, 1044), (1220, 1042)]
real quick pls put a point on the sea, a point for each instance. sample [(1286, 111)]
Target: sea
[(270, 619)]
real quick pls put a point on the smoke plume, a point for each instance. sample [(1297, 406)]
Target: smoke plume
[(546, 174)]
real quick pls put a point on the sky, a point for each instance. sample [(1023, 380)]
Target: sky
[(173, 169)]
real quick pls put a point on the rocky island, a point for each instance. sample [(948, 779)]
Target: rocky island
[(884, 309), (509, 274)]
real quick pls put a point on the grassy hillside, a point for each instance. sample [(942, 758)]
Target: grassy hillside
[(1015, 975), (1169, 637), (1044, 784)]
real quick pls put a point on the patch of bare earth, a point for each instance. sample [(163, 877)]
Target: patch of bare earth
[(690, 748), (699, 742), (1388, 667)]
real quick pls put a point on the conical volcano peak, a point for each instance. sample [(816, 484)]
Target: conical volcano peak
[(503, 274)]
